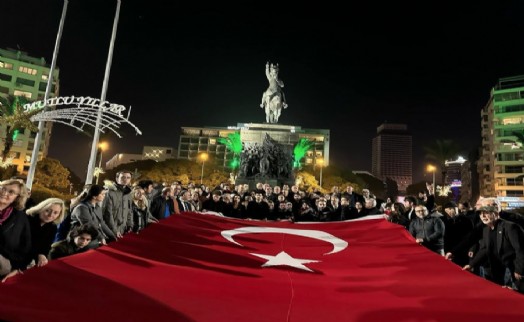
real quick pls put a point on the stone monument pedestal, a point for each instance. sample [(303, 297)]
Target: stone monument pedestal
[(252, 182)]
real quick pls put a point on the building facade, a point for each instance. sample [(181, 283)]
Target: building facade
[(501, 163), (158, 153), (392, 154), (454, 170), (23, 75), (122, 158), (197, 140), (458, 177)]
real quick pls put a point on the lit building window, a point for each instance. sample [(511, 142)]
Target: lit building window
[(6, 65), (45, 77), (212, 141), (22, 93), (27, 70)]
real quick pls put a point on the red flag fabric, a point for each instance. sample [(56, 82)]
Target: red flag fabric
[(195, 267)]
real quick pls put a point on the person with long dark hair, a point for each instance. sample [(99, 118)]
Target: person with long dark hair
[(89, 212)]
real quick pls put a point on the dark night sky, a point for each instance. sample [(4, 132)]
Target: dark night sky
[(346, 69)]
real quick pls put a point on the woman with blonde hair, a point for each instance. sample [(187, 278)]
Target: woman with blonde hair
[(140, 207), (43, 221), (15, 234)]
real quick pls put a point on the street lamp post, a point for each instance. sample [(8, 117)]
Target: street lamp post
[(204, 157), (432, 168), (102, 146), (320, 162)]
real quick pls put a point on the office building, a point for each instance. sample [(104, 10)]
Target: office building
[(392, 154), (23, 75), (501, 163)]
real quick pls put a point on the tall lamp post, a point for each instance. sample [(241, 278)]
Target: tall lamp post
[(102, 146), (432, 168), (320, 162), (204, 157)]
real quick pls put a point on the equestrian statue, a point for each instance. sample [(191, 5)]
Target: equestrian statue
[(273, 99)]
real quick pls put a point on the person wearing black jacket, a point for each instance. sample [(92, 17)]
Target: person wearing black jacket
[(15, 234), (43, 220), (89, 212), (77, 242), (502, 247)]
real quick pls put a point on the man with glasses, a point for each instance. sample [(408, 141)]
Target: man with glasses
[(428, 230), (15, 234)]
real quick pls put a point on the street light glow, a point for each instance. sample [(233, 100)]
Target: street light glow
[(103, 146), (320, 162), (432, 168), (204, 157)]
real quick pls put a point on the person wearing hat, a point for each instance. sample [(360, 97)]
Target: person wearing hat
[(502, 248), (457, 226)]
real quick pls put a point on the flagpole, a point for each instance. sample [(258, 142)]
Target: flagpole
[(41, 124), (94, 146)]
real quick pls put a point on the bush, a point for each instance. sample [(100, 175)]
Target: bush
[(40, 193)]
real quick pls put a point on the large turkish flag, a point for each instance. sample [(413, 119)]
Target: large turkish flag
[(195, 267)]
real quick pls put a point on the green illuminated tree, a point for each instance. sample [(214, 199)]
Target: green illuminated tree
[(300, 149), (15, 118), (233, 144)]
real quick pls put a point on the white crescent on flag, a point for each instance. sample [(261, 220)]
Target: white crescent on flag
[(284, 258)]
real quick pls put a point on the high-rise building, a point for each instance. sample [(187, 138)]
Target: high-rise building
[(454, 171), (501, 163), (458, 177), (23, 75), (392, 154)]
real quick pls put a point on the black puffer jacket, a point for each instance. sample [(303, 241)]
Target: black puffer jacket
[(15, 239)]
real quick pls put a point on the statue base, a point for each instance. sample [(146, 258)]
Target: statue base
[(252, 182)]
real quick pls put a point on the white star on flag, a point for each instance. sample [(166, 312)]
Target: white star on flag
[(283, 258)]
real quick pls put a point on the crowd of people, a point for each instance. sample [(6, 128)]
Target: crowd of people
[(484, 239)]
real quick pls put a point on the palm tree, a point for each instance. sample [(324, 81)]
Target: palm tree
[(442, 151), (520, 138), (299, 151), (234, 144), (15, 118)]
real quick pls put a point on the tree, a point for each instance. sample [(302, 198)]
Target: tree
[(15, 119), (306, 181), (374, 184), (141, 166), (52, 174), (414, 188), (299, 151), (442, 151), (391, 189), (233, 144)]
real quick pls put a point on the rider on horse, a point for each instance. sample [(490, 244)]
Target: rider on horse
[(273, 98)]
